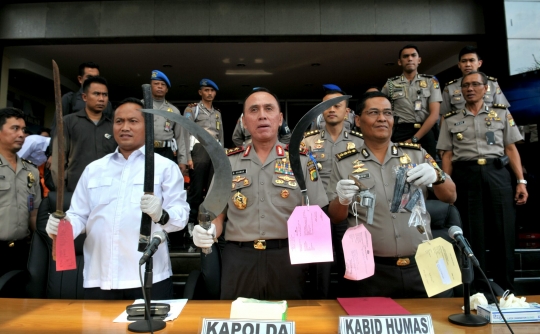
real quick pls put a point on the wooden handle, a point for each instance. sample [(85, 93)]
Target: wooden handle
[(54, 247)]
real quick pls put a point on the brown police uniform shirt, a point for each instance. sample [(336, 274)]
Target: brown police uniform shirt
[(167, 130), (403, 95), (324, 149), (208, 119), (390, 233), (271, 192), (18, 190), (453, 98), (466, 135)]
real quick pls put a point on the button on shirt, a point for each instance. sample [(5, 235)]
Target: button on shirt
[(391, 234), (472, 131), (106, 205)]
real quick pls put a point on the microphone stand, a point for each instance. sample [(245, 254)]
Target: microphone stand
[(148, 324), (466, 318)]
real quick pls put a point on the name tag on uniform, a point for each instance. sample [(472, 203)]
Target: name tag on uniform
[(240, 171), (417, 105), (490, 138), (363, 176), (459, 123)]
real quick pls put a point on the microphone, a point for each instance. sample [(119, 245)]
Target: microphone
[(157, 238), (456, 233)]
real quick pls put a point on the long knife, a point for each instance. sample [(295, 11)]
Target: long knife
[(148, 187), (298, 135), (59, 213), (217, 197)]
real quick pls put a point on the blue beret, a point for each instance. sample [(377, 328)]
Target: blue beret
[(331, 87), (158, 75), (208, 83)]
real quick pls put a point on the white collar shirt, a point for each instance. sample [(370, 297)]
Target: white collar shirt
[(106, 206)]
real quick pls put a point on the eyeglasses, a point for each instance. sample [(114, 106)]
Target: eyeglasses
[(377, 113), (474, 84)]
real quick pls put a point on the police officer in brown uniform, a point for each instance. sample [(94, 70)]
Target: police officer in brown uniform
[(169, 137), (323, 146), (469, 61), (20, 194), (264, 193), (478, 142), (199, 163), (415, 100), (394, 241)]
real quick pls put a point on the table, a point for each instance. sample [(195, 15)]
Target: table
[(311, 316)]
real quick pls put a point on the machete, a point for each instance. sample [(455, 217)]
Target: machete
[(218, 195), (148, 186), (59, 213), (298, 135)]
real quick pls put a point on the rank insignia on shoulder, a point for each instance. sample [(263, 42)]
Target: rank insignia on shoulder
[(235, 150), (452, 113), (346, 154), (500, 106), (492, 79), (28, 161), (310, 133), (394, 78), (356, 134), (451, 82), (426, 75), (410, 145)]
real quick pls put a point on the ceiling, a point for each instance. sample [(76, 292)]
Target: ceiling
[(293, 70)]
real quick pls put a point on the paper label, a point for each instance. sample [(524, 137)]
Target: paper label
[(418, 323), (65, 247), (358, 251), (217, 326), (310, 238), (438, 266)]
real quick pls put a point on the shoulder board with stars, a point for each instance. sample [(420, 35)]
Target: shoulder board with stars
[(492, 79), (303, 151), (451, 82), (452, 113), (310, 133), (357, 134), (346, 154), (426, 75), (395, 78), (500, 106), (30, 162), (236, 150), (410, 145)]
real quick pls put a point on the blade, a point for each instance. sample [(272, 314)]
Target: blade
[(59, 141), (298, 135), (217, 197), (148, 187)]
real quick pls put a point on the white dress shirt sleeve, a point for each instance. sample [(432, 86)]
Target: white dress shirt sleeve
[(174, 198), (79, 209)]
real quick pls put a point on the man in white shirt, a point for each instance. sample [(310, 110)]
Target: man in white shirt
[(107, 205)]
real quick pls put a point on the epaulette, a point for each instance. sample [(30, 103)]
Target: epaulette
[(492, 79), (236, 150), (357, 134), (410, 145), (395, 78), (346, 154), (302, 151), (311, 133), (30, 162), (500, 106), (426, 75), (452, 113), (451, 82)]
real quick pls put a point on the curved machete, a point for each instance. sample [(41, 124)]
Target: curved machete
[(217, 197), (298, 135)]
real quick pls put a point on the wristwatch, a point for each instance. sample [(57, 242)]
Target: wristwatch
[(441, 176), (415, 139), (522, 181), (164, 218)]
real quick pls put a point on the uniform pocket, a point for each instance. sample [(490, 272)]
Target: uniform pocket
[(100, 190), (138, 189)]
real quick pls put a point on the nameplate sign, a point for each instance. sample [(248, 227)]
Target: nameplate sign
[(233, 326), (394, 324)]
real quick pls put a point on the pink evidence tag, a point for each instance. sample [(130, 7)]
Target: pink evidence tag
[(358, 251), (310, 239), (65, 247)]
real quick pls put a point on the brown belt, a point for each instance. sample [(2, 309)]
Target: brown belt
[(263, 244), (395, 261)]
